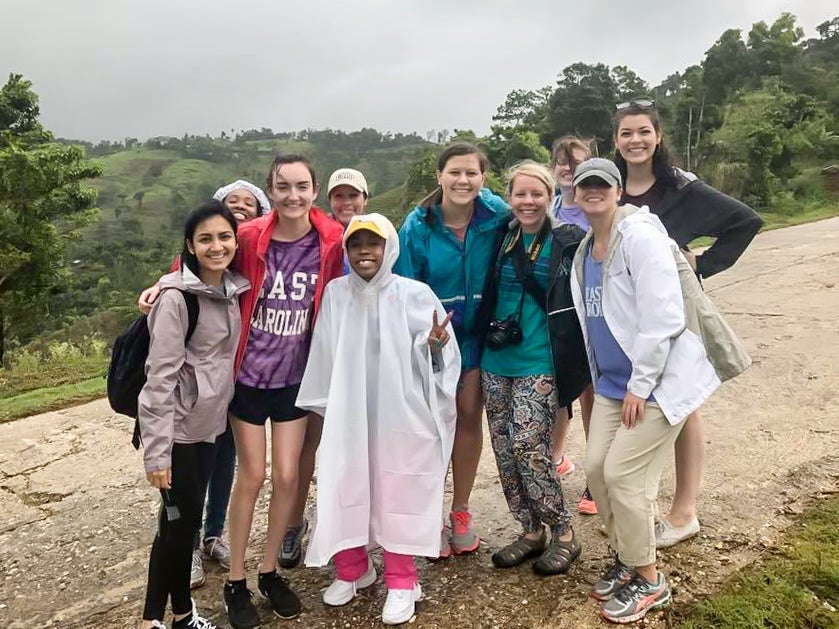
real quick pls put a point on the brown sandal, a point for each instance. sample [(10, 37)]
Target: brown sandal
[(558, 557), (518, 552)]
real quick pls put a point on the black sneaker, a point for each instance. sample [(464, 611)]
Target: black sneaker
[(240, 610), (284, 602)]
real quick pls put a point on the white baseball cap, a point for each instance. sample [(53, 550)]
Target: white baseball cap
[(347, 177)]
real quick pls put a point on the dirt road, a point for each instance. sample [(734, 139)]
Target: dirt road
[(78, 516)]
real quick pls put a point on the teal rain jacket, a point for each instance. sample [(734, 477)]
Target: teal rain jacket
[(455, 271)]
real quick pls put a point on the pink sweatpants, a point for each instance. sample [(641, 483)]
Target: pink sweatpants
[(400, 570)]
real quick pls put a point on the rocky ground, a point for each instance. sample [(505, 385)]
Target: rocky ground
[(78, 516)]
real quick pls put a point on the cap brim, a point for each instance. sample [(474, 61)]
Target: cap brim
[(358, 226), (357, 186), (599, 174)]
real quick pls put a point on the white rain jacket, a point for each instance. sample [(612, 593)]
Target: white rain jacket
[(389, 413), (644, 308)]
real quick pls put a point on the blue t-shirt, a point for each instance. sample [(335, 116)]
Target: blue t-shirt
[(613, 368), (532, 357), (572, 214)]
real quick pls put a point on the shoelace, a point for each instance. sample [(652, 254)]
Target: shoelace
[(628, 591), (196, 561), (461, 520), (616, 568), (200, 623)]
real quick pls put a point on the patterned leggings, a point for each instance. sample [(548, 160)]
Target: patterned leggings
[(521, 412)]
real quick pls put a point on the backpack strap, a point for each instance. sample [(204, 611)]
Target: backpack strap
[(192, 314), (192, 311)]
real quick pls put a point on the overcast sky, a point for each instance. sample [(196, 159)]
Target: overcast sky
[(117, 68)]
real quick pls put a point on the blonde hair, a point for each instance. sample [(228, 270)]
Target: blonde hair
[(529, 168)]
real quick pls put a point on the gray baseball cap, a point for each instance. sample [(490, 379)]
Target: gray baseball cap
[(604, 169)]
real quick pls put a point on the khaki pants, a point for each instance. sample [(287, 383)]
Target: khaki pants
[(623, 469)]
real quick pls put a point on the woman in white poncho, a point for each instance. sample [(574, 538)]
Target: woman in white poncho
[(384, 376)]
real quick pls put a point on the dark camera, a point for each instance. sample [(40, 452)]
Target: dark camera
[(503, 333)]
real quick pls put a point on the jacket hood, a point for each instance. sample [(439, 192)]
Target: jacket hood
[(185, 279), (385, 272)]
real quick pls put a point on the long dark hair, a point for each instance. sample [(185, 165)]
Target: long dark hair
[(198, 215), (664, 168), (455, 149)]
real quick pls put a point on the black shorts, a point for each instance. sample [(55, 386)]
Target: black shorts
[(254, 406)]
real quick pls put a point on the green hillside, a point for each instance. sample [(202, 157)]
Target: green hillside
[(156, 187)]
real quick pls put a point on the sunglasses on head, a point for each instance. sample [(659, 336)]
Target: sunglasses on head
[(642, 102)]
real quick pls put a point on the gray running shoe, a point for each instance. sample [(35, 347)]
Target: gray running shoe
[(196, 574), (612, 580), (292, 548), (218, 549), (632, 602)]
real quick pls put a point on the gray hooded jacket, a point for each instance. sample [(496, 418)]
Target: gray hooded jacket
[(188, 388)]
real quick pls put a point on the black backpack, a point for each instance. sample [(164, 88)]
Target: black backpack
[(127, 372)]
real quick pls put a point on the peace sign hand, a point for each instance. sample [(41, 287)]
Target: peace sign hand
[(438, 337)]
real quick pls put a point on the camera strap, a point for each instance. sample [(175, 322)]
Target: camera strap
[(523, 264)]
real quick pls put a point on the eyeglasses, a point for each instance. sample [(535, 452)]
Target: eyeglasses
[(643, 102)]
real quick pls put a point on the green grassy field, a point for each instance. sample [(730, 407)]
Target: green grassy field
[(795, 586)]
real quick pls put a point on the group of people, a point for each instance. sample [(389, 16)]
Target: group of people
[(377, 352)]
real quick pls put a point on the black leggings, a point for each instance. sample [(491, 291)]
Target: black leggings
[(171, 553)]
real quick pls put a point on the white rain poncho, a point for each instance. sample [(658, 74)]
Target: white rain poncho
[(389, 414)]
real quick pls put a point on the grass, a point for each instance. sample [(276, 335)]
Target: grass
[(796, 586), (51, 398)]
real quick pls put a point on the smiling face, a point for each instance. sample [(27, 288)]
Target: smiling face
[(365, 252), (243, 204), (564, 170), (636, 139), (596, 197), (213, 244), (461, 179), (293, 191), (530, 200), (346, 202)]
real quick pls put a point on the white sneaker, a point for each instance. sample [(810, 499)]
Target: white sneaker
[(342, 592), (156, 624), (667, 535), (196, 573), (400, 605)]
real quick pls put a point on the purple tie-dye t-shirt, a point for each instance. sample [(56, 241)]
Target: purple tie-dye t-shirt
[(278, 344)]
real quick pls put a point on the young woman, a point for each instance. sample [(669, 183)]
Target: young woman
[(246, 201), (347, 194), (649, 372), (182, 407), (447, 242), (533, 366), (566, 153), (384, 377), (688, 208), (290, 254)]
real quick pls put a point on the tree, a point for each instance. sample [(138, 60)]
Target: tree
[(523, 109), (583, 103), (43, 205), (770, 47), (629, 85), (724, 65)]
